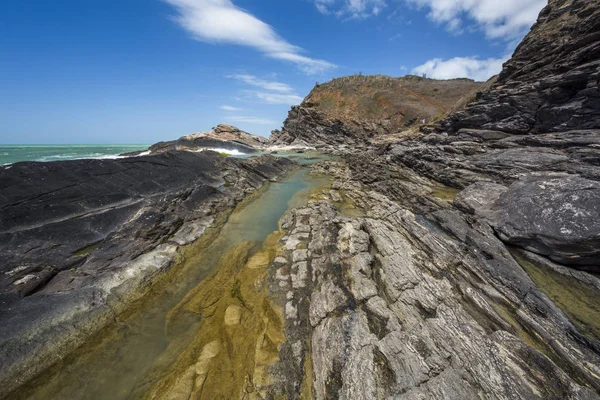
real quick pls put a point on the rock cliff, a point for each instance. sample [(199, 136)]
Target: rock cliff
[(551, 82)]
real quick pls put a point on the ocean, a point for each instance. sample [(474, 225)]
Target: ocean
[(10, 154)]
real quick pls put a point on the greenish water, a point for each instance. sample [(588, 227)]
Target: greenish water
[(125, 361), (10, 154)]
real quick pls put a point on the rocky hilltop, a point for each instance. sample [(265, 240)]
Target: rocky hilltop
[(356, 109)]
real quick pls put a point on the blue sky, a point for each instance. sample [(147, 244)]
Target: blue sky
[(141, 71)]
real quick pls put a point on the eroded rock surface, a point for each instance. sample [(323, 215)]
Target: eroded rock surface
[(392, 304), (450, 264), (82, 239), (553, 214)]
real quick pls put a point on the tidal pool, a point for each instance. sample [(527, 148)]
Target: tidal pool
[(127, 359)]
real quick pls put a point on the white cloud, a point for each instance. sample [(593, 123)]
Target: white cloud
[(500, 19), (251, 120), (230, 108), (276, 98), (273, 92), (263, 84), (461, 67), (220, 21), (358, 9)]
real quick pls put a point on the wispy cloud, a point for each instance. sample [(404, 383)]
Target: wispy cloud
[(230, 108), (506, 19), (263, 84), (272, 92), (461, 67), (355, 9), (220, 21), (276, 98), (499, 19), (251, 120), (395, 37)]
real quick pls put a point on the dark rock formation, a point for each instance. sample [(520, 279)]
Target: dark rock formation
[(556, 215), (551, 82), (553, 215), (306, 127), (82, 239), (224, 137)]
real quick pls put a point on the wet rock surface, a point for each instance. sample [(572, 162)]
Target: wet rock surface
[(460, 262), (388, 303), (81, 239)]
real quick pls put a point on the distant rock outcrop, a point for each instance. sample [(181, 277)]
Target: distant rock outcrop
[(222, 137)]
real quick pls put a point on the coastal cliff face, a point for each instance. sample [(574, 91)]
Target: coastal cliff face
[(355, 109), (551, 82)]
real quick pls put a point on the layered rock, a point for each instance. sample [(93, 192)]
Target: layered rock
[(80, 240), (553, 214), (382, 302), (551, 82), (222, 137), (455, 264)]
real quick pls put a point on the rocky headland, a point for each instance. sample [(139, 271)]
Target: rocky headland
[(357, 110), (452, 258), (222, 138)]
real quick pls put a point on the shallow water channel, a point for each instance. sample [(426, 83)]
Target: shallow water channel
[(125, 360)]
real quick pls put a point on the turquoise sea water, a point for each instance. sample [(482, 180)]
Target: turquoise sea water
[(10, 154)]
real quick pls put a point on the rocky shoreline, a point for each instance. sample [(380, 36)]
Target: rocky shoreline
[(460, 260), (385, 302), (83, 239)]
